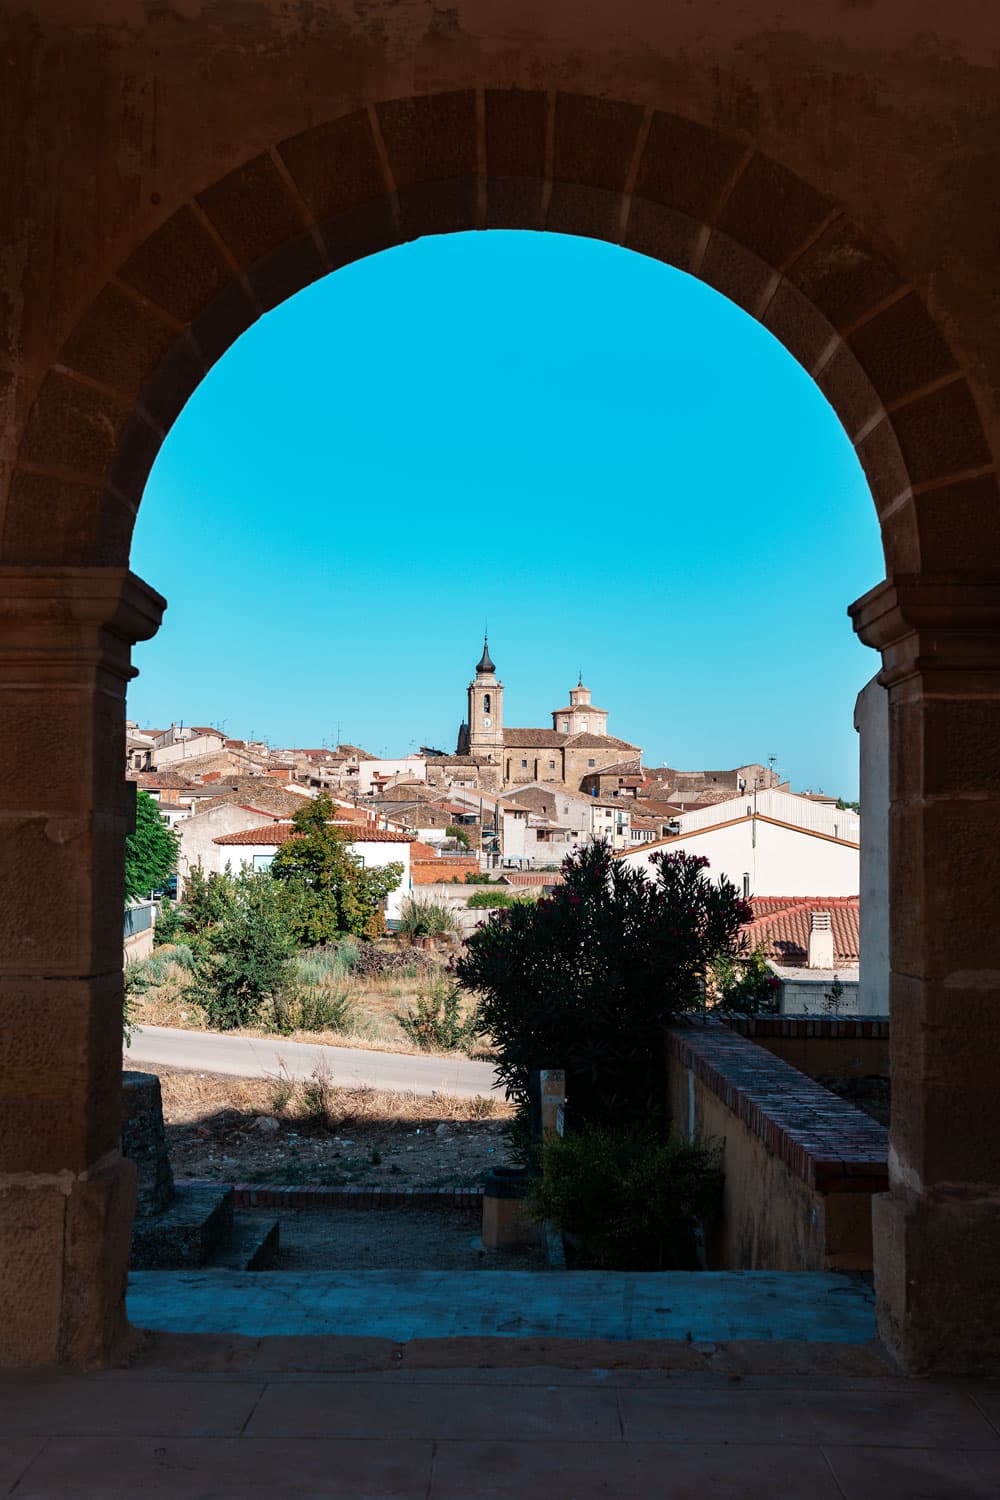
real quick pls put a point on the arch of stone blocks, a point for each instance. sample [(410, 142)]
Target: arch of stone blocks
[(703, 201), (93, 416)]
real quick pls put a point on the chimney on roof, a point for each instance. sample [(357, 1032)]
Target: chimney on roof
[(820, 940)]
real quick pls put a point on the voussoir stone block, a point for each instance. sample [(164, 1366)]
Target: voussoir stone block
[(595, 140), (335, 166), (734, 271), (940, 434), (772, 211), (119, 341), (662, 233), (431, 137), (516, 124), (253, 210), (843, 275), (687, 166), (901, 349), (179, 267)]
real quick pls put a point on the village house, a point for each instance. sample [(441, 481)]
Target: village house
[(254, 848), (763, 856), (589, 818), (182, 743)]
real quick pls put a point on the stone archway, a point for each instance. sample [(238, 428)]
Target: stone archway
[(657, 183), (705, 201)]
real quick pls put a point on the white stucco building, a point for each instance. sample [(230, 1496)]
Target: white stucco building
[(255, 848), (765, 857)]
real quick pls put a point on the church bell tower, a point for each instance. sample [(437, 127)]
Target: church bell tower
[(485, 719)]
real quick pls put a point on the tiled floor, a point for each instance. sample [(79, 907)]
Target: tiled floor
[(405, 1305), (463, 1433)]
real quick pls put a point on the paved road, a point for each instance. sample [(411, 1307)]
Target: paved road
[(350, 1067)]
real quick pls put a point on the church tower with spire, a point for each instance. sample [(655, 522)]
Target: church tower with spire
[(484, 728)]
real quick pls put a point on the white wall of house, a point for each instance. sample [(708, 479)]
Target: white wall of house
[(785, 807), (807, 992), (174, 754), (375, 855), (871, 720), (412, 766), (196, 835), (777, 860)]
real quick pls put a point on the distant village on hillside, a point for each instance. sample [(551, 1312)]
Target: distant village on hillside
[(513, 802)]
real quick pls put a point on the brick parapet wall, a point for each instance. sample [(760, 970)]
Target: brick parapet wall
[(264, 1195), (825, 1141), (798, 1028)]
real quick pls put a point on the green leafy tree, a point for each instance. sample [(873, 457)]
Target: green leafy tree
[(587, 979), (745, 984), (208, 899), (248, 969), (327, 887), (150, 852)]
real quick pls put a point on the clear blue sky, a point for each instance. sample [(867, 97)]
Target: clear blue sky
[(616, 466)]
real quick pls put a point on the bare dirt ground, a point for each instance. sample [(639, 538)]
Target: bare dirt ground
[(319, 1136), (383, 1239)]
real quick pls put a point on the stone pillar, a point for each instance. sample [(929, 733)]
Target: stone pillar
[(871, 720), (66, 1194), (937, 1231)]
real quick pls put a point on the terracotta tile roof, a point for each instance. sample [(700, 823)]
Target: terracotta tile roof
[(280, 833), (162, 781), (581, 708), (533, 877), (784, 933), (533, 739), (598, 742)]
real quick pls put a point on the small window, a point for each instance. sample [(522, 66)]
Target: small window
[(591, 763), (262, 861), (565, 726), (552, 765), (486, 703), (524, 765)]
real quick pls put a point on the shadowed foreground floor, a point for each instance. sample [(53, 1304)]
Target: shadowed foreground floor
[(204, 1419), (751, 1386)]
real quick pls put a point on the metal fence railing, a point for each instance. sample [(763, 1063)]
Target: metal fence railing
[(139, 918)]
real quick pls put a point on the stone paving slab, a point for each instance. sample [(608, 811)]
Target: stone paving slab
[(556, 1435), (403, 1306)]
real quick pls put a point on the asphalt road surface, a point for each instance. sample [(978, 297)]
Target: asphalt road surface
[(349, 1067)]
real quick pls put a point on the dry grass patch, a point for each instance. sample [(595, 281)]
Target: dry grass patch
[(324, 1135)]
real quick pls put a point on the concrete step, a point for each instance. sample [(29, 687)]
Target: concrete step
[(186, 1233), (248, 1246)]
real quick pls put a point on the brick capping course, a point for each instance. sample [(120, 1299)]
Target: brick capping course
[(832, 1146), (274, 1195), (796, 1027)]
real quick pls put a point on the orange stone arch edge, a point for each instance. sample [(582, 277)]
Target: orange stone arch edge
[(667, 187)]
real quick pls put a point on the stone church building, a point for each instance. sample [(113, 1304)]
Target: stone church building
[(497, 757)]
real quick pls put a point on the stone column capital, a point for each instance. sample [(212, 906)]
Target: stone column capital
[(78, 617), (934, 625)]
